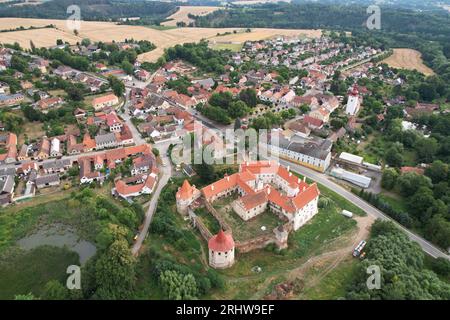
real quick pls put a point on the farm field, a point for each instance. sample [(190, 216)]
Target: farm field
[(409, 59), (107, 31), (182, 14)]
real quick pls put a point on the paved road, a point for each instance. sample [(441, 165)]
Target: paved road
[(324, 180)]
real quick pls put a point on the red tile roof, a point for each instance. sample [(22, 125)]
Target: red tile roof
[(221, 242)]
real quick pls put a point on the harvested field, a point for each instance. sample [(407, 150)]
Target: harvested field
[(182, 14), (107, 31), (408, 59)]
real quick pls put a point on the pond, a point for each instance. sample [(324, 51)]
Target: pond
[(59, 235)]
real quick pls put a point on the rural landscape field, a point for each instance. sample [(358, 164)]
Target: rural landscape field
[(409, 59), (107, 31), (254, 150), (182, 14)]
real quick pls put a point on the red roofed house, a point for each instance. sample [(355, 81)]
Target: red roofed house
[(313, 122), (221, 250), (420, 171), (104, 101), (113, 122)]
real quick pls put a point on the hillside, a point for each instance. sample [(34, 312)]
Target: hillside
[(92, 9)]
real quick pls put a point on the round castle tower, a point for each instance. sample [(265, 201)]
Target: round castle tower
[(221, 250)]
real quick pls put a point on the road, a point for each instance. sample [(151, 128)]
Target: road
[(371, 210), (165, 175)]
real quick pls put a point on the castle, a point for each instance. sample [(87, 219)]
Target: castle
[(261, 185)]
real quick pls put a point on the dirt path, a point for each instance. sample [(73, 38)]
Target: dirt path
[(331, 258)]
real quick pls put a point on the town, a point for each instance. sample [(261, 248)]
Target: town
[(92, 123)]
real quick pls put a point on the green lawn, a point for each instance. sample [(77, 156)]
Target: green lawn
[(397, 202), (24, 272)]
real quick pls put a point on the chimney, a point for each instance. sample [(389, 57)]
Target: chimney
[(228, 178), (288, 168), (298, 180), (304, 178), (290, 174), (212, 187), (268, 190)]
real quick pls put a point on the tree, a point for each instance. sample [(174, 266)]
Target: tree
[(389, 178), (117, 86), (115, 272), (421, 204), (237, 109), (408, 183), (437, 171), (85, 42), (19, 63), (177, 286), (249, 97), (438, 231), (394, 157), (127, 67), (54, 290), (426, 149)]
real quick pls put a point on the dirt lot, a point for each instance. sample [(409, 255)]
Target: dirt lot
[(408, 59), (107, 31), (182, 14)]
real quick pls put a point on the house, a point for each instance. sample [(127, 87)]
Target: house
[(127, 188), (105, 101), (299, 128), (47, 103), (49, 180), (353, 103), (142, 75), (56, 166), (108, 140), (79, 113), (7, 184), (143, 164), (44, 149), (314, 153), (11, 99), (205, 83), (313, 123), (113, 122), (4, 88), (64, 72), (87, 175), (320, 113), (55, 148)]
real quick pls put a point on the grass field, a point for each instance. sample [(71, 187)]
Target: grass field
[(25, 272), (333, 285), (234, 47), (409, 59), (182, 14)]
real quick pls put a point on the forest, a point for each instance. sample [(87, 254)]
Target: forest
[(98, 10)]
